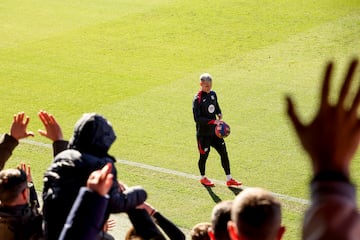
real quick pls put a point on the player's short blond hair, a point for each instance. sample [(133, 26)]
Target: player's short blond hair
[(205, 77)]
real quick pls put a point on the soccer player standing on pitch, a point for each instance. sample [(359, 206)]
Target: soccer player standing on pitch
[(207, 114)]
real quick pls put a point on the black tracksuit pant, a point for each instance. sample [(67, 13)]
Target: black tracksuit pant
[(204, 144)]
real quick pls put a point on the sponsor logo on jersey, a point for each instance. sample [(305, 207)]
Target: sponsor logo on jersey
[(212, 97)]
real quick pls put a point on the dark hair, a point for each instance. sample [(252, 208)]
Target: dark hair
[(12, 183), (220, 216), (256, 213)]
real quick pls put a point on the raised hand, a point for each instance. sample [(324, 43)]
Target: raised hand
[(100, 181), (27, 170), (149, 209), (18, 129), (52, 128), (333, 136), (109, 225)]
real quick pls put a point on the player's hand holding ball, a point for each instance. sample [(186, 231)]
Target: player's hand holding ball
[(222, 129)]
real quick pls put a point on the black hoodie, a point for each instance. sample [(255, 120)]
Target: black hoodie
[(87, 152)]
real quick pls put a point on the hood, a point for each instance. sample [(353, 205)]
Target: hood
[(92, 134)]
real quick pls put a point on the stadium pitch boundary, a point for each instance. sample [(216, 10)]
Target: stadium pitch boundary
[(175, 173)]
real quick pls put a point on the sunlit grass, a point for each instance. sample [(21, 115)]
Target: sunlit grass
[(138, 62)]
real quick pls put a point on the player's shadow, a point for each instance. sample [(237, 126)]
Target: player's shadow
[(214, 197), (235, 190)]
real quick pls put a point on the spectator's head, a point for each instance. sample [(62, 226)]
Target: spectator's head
[(200, 231), (13, 187), (92, 134), (205, 82), (255, 215), (220, 216)]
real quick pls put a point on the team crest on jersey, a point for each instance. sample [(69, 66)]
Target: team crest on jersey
[(211, 108), (212, 97)]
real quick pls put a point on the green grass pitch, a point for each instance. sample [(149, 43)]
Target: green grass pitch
[(137, 62)]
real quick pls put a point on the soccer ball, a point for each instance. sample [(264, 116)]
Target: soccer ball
[(222, 130)]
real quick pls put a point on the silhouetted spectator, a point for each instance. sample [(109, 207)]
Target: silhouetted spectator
[(86, 217), (87, 152)]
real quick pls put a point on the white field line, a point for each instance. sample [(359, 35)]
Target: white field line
[(175, 173)]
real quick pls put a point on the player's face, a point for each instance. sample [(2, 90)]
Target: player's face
[(206, 86)]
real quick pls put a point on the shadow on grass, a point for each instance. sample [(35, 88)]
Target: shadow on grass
[(235, 190), (214, 197)]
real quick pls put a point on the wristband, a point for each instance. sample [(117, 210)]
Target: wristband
[(330, 176), (152, 212)]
